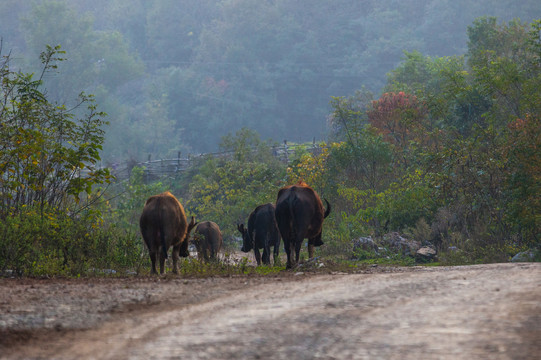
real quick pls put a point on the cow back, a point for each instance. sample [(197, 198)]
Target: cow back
[(164, 212), (299, 210), (262, 226), (208, 238)]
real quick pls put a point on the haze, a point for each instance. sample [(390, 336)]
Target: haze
[(178, 75)]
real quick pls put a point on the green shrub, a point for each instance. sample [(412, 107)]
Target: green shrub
[(52, 242)]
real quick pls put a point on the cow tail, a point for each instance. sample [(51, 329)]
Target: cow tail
[(292, 217), (161, 232), (164, 247), (328, 211)]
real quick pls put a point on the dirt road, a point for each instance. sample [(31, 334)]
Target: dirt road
[(473, 312)]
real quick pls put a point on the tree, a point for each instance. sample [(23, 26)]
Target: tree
[(523, 185), (173, 30), (444, 86), (97, 59), (225, 190), (47, 155), (401, 119), (362, 159)]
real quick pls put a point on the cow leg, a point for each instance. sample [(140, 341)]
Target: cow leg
[(162, 262), (287, 249), (208, 253), (291, 251), (298, 245), (149, 235), (266, 250), (204, 252), (311, 248), (276, 250), (213, 251), (176, 252), (153, 261), (266, 255), (257, 256)]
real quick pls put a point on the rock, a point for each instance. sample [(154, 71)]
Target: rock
[(398, 243), (425, 254), (7, 273), (103, 271), (524, 256), (365, 243)]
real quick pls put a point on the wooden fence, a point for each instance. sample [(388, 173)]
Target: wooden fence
[(156, 169)]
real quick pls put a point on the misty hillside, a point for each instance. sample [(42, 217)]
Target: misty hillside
[(178, 75)]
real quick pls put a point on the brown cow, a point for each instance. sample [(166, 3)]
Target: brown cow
[(299, 214), (208, 240), (163, 224)]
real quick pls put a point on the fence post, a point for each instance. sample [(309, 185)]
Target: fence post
[(147, 170), (286, 151)]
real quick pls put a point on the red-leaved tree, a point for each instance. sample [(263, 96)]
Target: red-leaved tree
[(400, 118)]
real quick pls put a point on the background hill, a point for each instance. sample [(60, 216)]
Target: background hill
[(178, 75)]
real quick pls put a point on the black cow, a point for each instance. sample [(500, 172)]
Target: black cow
[(299, 214), (262, 232)]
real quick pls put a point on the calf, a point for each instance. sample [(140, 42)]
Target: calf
[(208, 240)]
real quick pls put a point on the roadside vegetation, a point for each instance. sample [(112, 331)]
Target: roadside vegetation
[(447, 155)]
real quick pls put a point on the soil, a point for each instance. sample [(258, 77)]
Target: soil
[(468, 312)]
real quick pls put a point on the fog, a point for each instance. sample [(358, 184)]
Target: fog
[(178, 75)]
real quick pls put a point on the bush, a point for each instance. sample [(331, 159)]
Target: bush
[(51, 242)]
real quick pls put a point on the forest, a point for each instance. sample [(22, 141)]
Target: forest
[(177, 75), (426, 115)]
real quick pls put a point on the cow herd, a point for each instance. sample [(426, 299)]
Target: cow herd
[(297, 215)]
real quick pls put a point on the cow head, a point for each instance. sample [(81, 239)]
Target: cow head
[(247, 242)]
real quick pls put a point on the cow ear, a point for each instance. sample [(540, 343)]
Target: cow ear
[(240, 227)]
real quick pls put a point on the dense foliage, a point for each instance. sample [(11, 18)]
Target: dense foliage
[(46, 155), (448, 154), (459, 146), (49, 221)]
